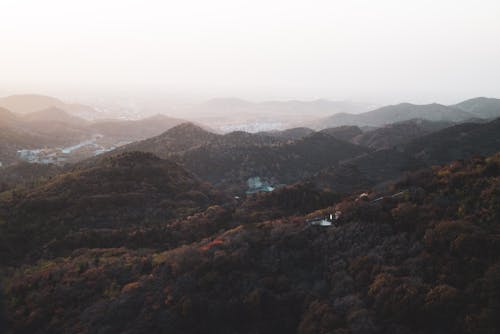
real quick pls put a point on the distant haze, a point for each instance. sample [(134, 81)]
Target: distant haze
[(371, 51)]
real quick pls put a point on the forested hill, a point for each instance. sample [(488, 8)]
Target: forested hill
[(130, 189), (422, 257)]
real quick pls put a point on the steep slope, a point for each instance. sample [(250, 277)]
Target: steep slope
[(422, 259), (457, 142), (481, 107)]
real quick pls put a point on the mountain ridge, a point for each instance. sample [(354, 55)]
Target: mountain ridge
[(396, 113)]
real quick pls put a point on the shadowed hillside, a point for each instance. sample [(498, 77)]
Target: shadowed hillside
[(458, 142), (228, 165), (396, 134), (422, 258), (129, 189), (346, 132)]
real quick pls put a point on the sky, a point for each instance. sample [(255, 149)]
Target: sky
[(374, 51)]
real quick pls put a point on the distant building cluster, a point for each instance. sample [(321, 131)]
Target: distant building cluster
[(43, 156), (84, 149)]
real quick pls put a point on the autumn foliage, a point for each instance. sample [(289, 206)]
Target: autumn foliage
[(424, 261)]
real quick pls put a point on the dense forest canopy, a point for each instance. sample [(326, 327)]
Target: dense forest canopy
[(426, 260), (350, 229)]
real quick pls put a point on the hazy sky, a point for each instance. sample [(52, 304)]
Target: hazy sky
[(379, 51)]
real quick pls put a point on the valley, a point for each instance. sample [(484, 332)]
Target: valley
[(61, 155)]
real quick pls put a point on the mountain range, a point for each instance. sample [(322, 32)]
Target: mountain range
[(279, 157), (383, 154), (230, 159), (54, 127), (361, 228), (482, 108)]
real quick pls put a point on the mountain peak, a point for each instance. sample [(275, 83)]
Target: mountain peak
[(185, 128)]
